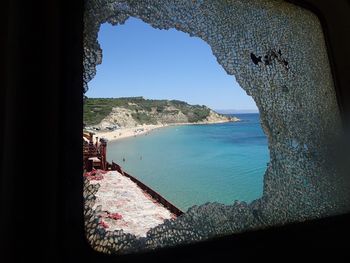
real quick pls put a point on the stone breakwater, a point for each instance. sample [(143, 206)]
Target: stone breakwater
[(278, 55)]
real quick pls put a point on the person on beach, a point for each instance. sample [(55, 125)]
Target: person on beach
[(123, 159)]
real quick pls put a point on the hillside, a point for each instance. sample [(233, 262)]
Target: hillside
[(110, 113)]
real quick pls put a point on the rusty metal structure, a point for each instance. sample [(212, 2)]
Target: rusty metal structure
[(94, 154)]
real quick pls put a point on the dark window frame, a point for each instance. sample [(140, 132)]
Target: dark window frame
[(43, 105)]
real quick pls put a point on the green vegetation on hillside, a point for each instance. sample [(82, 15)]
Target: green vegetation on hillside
[(95, 109)]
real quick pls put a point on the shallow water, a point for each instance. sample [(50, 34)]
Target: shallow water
[(194, 164)]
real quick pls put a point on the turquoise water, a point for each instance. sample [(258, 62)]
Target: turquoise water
[(194, 164)]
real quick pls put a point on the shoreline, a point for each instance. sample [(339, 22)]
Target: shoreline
[(141, 130)]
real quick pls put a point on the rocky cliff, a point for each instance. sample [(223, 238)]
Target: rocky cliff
[(131, 112)]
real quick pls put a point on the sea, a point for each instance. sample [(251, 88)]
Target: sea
[(195, 164)]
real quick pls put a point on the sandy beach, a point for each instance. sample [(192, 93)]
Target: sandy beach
[(127, 132), (140, 130)]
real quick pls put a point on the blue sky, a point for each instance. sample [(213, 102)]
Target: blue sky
[(139, 60)]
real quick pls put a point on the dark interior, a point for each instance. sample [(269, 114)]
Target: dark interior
[(41, 183)]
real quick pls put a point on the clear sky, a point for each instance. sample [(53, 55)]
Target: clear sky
[(139, 60)]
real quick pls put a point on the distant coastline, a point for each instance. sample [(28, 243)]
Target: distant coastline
[(118, 118), (123, 133)]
